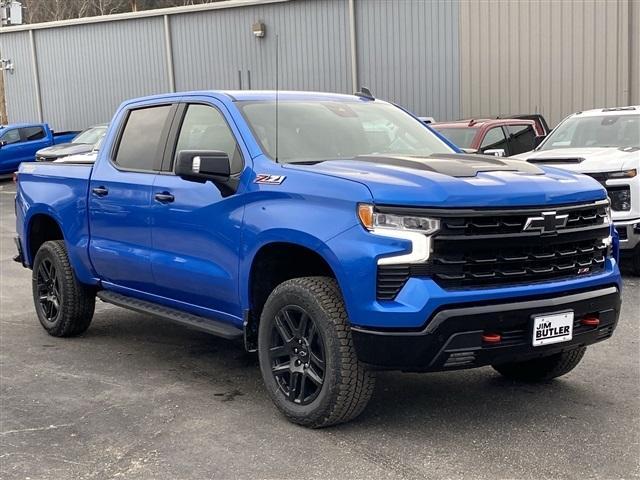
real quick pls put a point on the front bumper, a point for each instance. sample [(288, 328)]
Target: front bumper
[(452, 338), (629, 233)]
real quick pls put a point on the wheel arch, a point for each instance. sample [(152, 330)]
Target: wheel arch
[(41, 227), (302, 259)]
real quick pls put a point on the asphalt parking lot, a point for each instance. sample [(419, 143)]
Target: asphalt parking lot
[(135, 397)]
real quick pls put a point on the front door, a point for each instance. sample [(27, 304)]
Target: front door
[(196, 226), (120, 198)]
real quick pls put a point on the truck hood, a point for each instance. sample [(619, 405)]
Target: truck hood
[(585, 160), (64, 149), (455, 180)]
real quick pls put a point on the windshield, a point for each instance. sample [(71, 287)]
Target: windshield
[(90, 136), (314, 130), (462, 137), (593, 132)]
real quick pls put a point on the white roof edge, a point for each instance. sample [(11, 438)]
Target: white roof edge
[(599, 111), (159, 12)]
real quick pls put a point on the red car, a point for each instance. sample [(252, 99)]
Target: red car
[(502, 137)]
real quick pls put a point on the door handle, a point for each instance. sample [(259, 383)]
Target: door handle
[(164, 197), (100, 191)]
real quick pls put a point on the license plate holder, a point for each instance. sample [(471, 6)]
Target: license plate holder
[(552, 328)]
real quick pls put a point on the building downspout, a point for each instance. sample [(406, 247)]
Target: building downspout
[(169, 52), (354, 57), (36, 75)]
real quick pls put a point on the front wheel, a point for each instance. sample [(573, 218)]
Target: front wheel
[(307, 358), (63, 305), (541, 369)]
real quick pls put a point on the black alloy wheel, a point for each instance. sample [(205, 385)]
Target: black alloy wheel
[(297, 355), (48, 288)]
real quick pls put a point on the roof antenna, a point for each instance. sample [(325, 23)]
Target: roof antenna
[(365, 93), (277, 88)]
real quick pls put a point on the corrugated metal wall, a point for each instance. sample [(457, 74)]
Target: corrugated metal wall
[(408, 52), (634, 52), (19, 85), (551, 56), (442, 58), (210, 48), (88, 70)]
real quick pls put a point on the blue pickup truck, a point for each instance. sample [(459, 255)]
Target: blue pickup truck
[(19, 143), (335, 234)]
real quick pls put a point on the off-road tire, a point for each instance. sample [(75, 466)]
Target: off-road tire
[(76, 302), (348, 384), (544, 368)]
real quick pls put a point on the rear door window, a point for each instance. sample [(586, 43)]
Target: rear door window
[(30, 134), (143, 139), (522, 138)]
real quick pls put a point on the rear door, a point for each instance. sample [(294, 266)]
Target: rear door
[(32, 139), (120, 197), (196, 226), (522, 138)]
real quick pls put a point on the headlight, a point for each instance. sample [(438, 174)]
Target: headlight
[(623, 174), (407, 227), (620, 198), (372, 220)]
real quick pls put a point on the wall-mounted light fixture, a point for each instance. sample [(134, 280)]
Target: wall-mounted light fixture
[(7, 65), (259, 29)]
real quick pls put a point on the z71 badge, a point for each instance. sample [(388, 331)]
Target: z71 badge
[(270, 179)]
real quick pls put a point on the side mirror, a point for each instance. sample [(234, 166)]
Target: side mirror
[(203, 165), (496, 152), (469, 150), (538, 140), (2, 143)]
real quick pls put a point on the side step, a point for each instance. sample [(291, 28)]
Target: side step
[(203, 324)]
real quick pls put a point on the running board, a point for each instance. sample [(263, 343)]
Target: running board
[(203, 324)]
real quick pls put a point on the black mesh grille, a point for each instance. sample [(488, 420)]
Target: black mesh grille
[(473, 250)]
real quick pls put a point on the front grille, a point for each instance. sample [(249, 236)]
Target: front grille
[(476, 249)]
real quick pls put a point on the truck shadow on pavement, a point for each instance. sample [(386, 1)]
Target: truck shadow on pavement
[(446, 401)]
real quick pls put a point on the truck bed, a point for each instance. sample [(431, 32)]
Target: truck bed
[(59, 190)]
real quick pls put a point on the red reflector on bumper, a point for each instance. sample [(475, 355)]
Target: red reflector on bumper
[(491, 337), (590, 321)]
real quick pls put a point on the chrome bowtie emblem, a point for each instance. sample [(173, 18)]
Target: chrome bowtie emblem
[(549, 222)]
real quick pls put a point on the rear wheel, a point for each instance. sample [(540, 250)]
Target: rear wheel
[(541, 369), (63, 305), (307, 358)]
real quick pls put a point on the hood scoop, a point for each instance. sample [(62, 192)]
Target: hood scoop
[(454, 165), (556, 160)]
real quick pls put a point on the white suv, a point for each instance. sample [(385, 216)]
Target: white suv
[(604, 144)]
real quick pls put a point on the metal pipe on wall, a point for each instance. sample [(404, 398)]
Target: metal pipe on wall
[(352, 35), (36, 77), (169, 51)]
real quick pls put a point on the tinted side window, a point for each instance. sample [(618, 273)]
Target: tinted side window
[(12, 136), (142, 141), (32, 133), (522, 138), (204, 128), (494, 139)]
